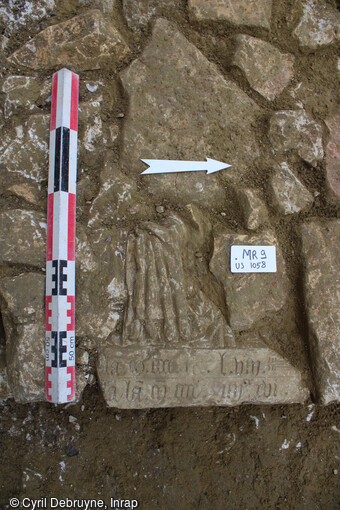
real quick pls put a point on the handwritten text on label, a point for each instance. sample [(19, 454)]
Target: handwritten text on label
[(253, 259)]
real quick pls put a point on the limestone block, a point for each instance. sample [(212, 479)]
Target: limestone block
[(84, 42), (29, 192), (238, 12), (254, 210), (100, 286), (21, 91), (291, 129), (23, 237), (321, 255), (5, 391), (24, 158), (139, 13), (333, 157), (15, 14), (180, 107), (116, 199), (289, 194), (175, 347), (249, 296), (318, 26), (148, 376), (267, 70), (24, 323), (107, 6)]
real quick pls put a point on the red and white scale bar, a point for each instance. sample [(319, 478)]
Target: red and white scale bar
[(60, 254)]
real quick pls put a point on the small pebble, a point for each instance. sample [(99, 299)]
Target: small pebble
[(160, 209), (120, 115)]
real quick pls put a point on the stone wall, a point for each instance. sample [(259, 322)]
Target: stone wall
[(160, 319)]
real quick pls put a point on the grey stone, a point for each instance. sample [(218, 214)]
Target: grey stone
[(289, 194), (180, 107), (24, 323), (175, 347), (238, 12), (267, 70), (254, 210), (333, 157), (116, 199), (249, 296), (318, 26), (321, 256), (139, 12), (164, 306), (295, 130), (29, 192), (107, 6), (23, 237), (84, 42), (151, 376), (24, 158), (21, 92), (100, 286), (15, 14)]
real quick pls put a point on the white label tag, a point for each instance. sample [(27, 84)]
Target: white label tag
[(253, 259)]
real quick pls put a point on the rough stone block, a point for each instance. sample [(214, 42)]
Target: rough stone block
[(180, 107), (318, 26), (321, 255), (254, 210), (249, 296), (267, 70), (139, 12), (16, 14), (24, 323), (289, 194), (84, 42), (333, 157), (296, 130), (23, 237), (238, 12)]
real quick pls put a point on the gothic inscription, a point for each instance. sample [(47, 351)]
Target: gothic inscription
[(157, 377)]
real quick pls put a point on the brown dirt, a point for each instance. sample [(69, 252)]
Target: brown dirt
[(248, 457)]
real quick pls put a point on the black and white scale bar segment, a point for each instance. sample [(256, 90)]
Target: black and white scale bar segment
[(60, 254)]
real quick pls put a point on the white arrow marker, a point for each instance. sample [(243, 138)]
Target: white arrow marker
[(166, 166)]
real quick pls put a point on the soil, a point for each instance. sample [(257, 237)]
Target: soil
[(246, 457)]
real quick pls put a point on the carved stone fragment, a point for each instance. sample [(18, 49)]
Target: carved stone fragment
[(135, 378), (175, 347)]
